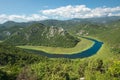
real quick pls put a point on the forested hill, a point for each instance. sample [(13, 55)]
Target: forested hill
[(39, 35), (54, 32), (9, 27)]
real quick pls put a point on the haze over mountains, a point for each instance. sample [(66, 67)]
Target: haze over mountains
[(10, 27), (87, 26), (54, 32), (54, 21)]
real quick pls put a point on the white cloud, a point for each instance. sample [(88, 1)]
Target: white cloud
[(81, 11), (65, 12), (35, 17), (21, 18)]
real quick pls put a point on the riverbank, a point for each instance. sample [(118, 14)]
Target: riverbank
[(84, 44), (86, 53)]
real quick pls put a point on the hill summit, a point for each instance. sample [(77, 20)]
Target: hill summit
[(40, 35)]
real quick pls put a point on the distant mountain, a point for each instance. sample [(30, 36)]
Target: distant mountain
[(39, 35), (102, 20), (83, 26), (57, 23), (9, 24), (9, 27), (75, 25)]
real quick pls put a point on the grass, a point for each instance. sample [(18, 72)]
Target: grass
[(1, 41), (104, 53), (81, 46)]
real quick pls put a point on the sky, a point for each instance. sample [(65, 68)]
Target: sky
[(35, 10)]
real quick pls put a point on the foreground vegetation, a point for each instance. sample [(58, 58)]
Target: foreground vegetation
[(13, 59), (81, 46), (18, 64)]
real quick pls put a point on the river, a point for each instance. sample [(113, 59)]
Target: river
[(87, 53)]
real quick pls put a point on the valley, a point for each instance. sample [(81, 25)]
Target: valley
[(60, 39)]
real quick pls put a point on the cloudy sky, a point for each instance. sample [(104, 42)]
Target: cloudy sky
[(35, 10)]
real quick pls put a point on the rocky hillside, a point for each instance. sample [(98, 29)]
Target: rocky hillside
[(39, 35)]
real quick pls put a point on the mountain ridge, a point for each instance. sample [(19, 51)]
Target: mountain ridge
[(39, 35)]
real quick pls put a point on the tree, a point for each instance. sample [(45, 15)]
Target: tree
[(3, 75)]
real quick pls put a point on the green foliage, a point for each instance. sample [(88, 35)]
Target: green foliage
[(82, 68), (17, 64), (25, 75), (12, 59), (55, 70), (114, 69), (3, 75), (40, 35), (86, 29), (12, 55)]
